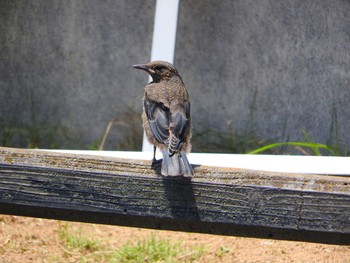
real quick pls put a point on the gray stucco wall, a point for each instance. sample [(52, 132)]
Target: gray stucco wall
[(277, 67), (68, 65), (291, 57)]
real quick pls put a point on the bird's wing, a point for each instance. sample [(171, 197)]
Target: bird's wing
[(158, 119), (178, 126)]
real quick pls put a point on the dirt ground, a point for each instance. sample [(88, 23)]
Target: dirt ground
[(24, 239)]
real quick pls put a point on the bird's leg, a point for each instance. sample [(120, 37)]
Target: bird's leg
[(154, 160), (154, 153)]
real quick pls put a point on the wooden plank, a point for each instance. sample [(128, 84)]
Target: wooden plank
[(222, 201)]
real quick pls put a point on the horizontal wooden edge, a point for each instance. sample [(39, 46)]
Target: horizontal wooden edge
[(176, 225), (203, 174)]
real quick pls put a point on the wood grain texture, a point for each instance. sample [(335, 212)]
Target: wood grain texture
[(225, 201)]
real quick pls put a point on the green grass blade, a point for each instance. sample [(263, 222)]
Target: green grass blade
[(314, 146)]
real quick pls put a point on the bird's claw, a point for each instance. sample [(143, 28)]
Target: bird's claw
[(156, 162)]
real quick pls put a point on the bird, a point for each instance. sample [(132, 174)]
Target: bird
[(166, 117)]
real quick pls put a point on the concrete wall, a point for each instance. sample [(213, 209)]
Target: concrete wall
[(68, 65), (288, 60), (275, 67)]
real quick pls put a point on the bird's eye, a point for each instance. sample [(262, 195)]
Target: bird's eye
[(159, 68)]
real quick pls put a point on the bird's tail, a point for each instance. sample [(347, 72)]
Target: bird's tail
[(176, 164)]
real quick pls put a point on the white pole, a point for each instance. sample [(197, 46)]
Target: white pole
[(164, 38)]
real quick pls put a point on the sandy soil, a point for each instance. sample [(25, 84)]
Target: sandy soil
[(25, 239)]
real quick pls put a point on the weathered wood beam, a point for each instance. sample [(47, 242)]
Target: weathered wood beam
[(222, 201)]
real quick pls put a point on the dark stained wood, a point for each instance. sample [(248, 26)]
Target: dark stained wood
[(226, 201)]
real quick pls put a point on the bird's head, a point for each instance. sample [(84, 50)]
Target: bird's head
[(159, 70)]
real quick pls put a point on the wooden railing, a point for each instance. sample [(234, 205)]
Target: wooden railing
[(225, 201)]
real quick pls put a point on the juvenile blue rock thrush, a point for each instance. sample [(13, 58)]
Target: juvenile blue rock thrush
[(166, 117)]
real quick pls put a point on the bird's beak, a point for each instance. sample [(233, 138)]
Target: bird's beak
[(143, 67)]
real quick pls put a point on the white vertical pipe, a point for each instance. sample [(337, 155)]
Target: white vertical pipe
[(164, 38)]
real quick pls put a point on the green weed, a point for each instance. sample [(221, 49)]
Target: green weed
[(221, 251), (72, 240), (83, 249), (157, 250), (214, 141), (306, 147)]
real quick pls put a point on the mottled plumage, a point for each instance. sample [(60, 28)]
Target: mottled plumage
[(166, 117)]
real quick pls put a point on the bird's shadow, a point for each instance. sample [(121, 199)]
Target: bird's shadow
[(180, 195)]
